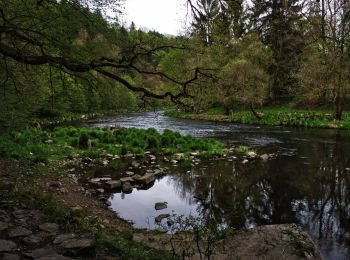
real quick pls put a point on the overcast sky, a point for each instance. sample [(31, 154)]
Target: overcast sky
[(164, 16)]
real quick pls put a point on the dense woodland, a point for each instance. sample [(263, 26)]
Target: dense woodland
[(73, 56)]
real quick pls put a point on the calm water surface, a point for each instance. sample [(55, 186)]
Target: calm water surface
[(307, 183)]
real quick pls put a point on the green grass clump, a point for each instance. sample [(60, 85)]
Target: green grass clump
[(242, 149), (41, 146), (302, 247)]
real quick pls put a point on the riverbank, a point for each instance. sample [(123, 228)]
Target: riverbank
[(45, 172), (49, 214), (271, 116)]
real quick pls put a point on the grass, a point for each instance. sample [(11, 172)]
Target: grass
[(281, 116), (244, 149), (301, 247), (39, 146)]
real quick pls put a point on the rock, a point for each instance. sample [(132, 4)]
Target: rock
[(95, 184), (32, 240), (245, 161), (3, 226), (160, 205), (100, 191), (77, 244), (63, 237), (152, 157), (127, 179), (135, 164), (194, 154), (19, 214), (129, 173), (19, 232), (76, 210), (159, 172), (173, 162), (87, 160), (159, 218), (49, 227), (7, 246), (252, 155), (170, 222), (127, 187), (147, 179), (41, 252), (11, 257), (54, 257), (136, 177), (49, 141), (264, 157), (112, 185), (105, 163), (103, 179)]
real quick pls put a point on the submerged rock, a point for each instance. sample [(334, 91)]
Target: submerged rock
[(159, 218), (161, 205)]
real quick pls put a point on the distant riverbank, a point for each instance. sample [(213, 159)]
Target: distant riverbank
[(271, 116)]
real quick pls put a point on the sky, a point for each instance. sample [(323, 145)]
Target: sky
[(164, 16)]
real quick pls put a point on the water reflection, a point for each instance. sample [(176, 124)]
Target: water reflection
[(307, 183)]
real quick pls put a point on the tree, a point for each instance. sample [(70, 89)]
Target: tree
[(329, 53), (279, 25), (73, 37)]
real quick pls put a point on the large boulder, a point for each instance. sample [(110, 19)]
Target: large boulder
[(113, 185), (147, 179), (127, 187)]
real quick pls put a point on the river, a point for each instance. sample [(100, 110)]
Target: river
[(308, 181)]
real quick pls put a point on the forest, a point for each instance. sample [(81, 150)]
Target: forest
[(69, 57)]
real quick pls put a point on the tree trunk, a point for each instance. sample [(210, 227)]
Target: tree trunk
[(338, 104)]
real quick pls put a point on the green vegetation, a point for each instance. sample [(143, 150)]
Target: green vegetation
[(281, 116), (42, 146), (235, 56), (298, 241), (243, 149)]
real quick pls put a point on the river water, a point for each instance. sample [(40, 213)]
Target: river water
[(308, 182)]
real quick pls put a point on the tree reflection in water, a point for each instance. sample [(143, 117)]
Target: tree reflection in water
[(313, 191)]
